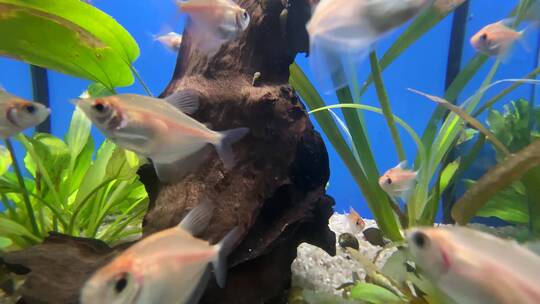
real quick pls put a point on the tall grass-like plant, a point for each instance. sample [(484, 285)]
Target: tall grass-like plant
[(441, 135)]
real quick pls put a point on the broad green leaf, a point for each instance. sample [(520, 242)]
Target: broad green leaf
[(78, 133), (5, 242), (495, 180), (447, 175), (54, 155), (5, 160), (372, 293), (99, 90), (119, 167), (69, 36), (509, 204)]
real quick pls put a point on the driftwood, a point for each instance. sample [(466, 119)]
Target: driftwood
[(276, 193)]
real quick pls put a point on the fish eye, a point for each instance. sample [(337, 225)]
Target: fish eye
[(245, 15), (99, 107), (389, 181), (121, 283), (419, 239), (30, 109), (483, 37)]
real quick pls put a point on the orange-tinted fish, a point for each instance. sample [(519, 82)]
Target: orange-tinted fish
[(398, 181), (169, 266), (495, 39), (17, 114), (171, 40), (355, 221), (470, 266), (160, 130), (215, 21)]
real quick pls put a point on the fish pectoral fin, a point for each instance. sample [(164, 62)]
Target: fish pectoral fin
[(175, 171), (186, 101), (196, 221)]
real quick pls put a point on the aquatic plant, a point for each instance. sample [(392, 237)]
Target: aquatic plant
[(441, 135), (508, 191), (69, 191)]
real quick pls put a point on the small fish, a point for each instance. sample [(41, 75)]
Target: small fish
[(171, 40), (495, 39), (19, 114), (470, 266), (160, 130), (215, 21), (355, 221), (398, 181), (170, 266), (342, 32)]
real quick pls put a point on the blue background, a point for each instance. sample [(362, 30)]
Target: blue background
[(422, 66)]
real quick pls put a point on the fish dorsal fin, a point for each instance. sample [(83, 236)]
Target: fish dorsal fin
[(186, 101), (402, 165), (196, 221)]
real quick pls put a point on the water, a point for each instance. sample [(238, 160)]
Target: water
[(423, 66)]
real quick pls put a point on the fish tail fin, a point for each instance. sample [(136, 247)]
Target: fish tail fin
[(224, 145), (196, 221), (224, 248)]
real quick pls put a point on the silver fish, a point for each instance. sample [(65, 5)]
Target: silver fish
[(215, 21), (170, 266), (160, 129), (342, 32), (171, 40), (398, 181), (19, 114), (470, 266)]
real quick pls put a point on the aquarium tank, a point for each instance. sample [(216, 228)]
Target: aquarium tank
[(269, 151)]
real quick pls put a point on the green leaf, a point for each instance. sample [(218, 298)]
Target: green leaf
[(495, 180), (99, 90), (5, 242), (54, 155), (447, 175), (9, 227), (69, 36), (122, 165), (5, 160), (372, 293), (513, 125), (395, 267), (509, 204), (78, 134)]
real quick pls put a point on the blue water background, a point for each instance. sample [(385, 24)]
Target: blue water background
[(423, 67)]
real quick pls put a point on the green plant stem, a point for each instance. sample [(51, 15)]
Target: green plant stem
[(505, 92), (385, 105), (140, 80), (22, 139), (26, 198)]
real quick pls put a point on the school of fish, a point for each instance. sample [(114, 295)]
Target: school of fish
[(174, 265)]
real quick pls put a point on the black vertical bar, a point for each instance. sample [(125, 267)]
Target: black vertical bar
[(453, 67), (40, 92), (457, 41)]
